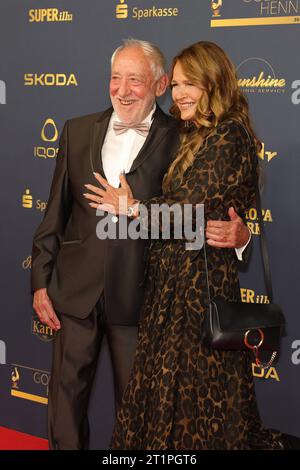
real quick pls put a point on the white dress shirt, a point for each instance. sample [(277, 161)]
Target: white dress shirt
[(119, 151)]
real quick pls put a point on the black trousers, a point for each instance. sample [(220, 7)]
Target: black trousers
[(76, 349)]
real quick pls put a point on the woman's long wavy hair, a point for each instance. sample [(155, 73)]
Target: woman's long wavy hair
[(206, 65)]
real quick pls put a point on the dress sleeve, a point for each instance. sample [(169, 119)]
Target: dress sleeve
[(220, 176), (48, 236)]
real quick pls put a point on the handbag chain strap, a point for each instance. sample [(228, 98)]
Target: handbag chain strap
[(264, 253), (263, 239), (263, 249)]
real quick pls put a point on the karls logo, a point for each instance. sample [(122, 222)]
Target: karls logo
[(2, 352), (122, 12), (296, 94), (216, 8), (41, 15), (27, 202), (2, 92), (257, 75), (252, 221), (49, 133), (49, 79), (43, 332)]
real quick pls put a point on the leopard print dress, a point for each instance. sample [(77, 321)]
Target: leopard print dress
[(182, 394)]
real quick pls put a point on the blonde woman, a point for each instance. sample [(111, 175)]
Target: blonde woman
[(182, 394)]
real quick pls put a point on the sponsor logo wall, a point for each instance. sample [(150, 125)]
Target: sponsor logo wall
[(61, 70), (254, 13)]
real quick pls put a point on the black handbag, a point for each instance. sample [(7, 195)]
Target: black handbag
[(246, 326)]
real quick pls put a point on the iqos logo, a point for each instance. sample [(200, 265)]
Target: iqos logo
[(50, 128), (49, 133)]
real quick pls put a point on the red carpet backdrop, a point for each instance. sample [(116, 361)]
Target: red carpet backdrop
[(55, 65)]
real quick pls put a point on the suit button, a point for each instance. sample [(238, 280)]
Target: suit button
[(114, 219)]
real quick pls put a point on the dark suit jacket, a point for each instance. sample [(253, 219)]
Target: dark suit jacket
[(67, 256)]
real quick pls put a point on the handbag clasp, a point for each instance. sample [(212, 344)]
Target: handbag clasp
[(256, 347)]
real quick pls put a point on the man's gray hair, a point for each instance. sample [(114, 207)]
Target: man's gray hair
[(156, 57)]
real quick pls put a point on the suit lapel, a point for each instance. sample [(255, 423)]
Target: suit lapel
[(98, 133), (158, 130)]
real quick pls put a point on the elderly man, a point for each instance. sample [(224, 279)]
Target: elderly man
[(85, 287)]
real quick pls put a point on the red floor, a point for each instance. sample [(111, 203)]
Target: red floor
[(14, 440)]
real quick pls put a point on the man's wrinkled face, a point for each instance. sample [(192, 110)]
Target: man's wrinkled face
[(133, 88)]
